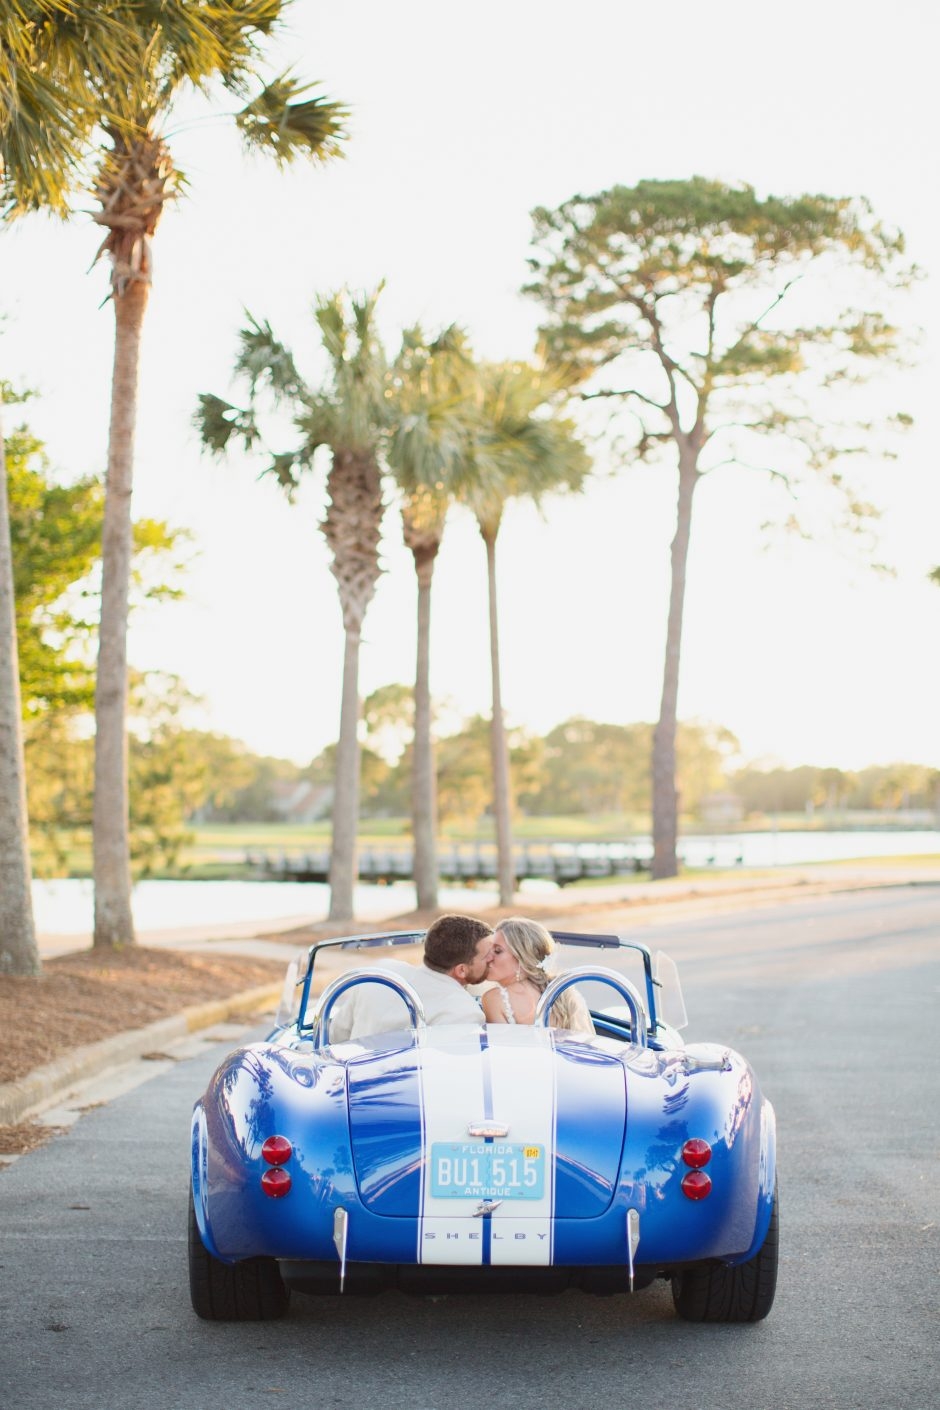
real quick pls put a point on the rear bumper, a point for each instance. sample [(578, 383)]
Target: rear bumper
[(313, 1276)]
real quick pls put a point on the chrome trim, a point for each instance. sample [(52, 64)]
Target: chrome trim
[(633, 1238), (340, 1230), (485, 1207), (487, 1128), (616, 981), (320, 1032), (692, 1063)]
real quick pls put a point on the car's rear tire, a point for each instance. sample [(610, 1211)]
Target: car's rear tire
[(250, 1291), (721, 1294)]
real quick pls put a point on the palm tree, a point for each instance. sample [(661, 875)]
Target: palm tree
[(46, 105), (19, 953), (167, 47), (431, 411), (521, 448), (423, 515), (349, 416)]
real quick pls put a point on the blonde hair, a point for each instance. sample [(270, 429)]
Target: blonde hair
[(531, 946)]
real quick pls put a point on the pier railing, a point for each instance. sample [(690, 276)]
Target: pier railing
[(466, 863)]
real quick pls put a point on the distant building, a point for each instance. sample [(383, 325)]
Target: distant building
[(301, 802)]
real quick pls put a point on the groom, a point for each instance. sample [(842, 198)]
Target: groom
[(456, 952)]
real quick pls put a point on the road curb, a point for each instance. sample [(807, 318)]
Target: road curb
[(39, 1088)]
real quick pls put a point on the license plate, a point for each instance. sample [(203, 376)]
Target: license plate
[(487, 1170)]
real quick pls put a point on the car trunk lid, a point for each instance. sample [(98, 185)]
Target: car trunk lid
[(514, 1123)]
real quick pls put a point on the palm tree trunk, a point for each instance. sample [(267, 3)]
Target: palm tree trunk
[(344, 869), (114, 922), (18, 950), (352, 528), (499, 748), (424, 781), (665, 794)]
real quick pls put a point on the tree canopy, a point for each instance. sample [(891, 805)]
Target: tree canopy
[(55, 533), (83, 81), (683, 303), (682, 300)]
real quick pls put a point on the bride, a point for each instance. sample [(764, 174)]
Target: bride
[(520, 967)]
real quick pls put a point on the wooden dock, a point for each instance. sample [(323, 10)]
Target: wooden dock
[(465, 864)]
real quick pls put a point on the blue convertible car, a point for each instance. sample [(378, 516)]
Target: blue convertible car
[(456, 1157)]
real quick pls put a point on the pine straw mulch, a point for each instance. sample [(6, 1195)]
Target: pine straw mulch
[(84, 997), (25, 1136)]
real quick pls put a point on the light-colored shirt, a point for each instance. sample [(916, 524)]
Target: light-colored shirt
[(374, 1008)]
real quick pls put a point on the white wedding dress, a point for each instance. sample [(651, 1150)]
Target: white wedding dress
[(580, 1018)]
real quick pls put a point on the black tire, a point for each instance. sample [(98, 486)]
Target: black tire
[(720, 1294), (251, 1291)]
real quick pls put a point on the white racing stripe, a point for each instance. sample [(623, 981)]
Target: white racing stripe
[(522, 1067), (506, 1075), (452, 1095)]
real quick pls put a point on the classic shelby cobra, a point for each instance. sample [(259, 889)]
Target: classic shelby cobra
[(456, 1157)]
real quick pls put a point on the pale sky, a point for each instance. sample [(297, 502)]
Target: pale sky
[(465, 119)]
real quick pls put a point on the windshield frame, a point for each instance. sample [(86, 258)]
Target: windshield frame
[(306, 962)]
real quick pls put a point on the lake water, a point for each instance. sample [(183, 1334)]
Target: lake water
[(779, 849), (64, 907)]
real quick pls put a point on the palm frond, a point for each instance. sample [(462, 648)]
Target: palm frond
[(521, 446), (453, 341), (74, 73), (363, 315), (432, 410), (348, 413), (413, 340), (286, 468), (41, 134), (360, 371), (284, 124), (61, 63), (318, 423), (198, 43), (331, 320), (263, 360), (217, 421)]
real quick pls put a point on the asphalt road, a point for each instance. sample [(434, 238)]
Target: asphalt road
[(834, 1001)]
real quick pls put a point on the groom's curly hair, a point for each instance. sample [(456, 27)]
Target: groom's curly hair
[(453, 940)]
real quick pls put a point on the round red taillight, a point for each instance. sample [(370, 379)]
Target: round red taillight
[(696, 1184), (696, 1153), (276, 1182), (277, 1150)]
